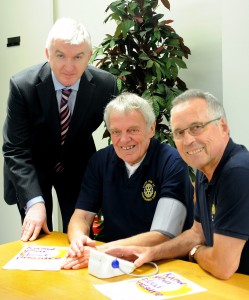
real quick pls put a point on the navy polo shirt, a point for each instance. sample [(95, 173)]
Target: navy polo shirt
[(222, 205), (128, 204)]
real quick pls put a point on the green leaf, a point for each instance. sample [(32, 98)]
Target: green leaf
[(173, 42), (168, 64), (161, 101), (133, 6), (119, 84), (158, 71), (157, 35), (112, 43), (126, 26), (114, 71), (144, 56), (124, 73), (177, 52), (156, 108), (142, 33), (160, 88), (179, 62), (174, 72), (149, 63), (118, 30), (153, 3), (116, 7), (146, 94)]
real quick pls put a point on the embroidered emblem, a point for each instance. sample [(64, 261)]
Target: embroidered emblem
[(149, 192), (213, 212)]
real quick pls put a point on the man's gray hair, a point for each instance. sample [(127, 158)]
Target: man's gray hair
[(127, 102), (70, 31), (214, 106)]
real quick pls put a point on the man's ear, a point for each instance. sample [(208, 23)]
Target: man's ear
[(90, 55), (224, 126), (47, 53), (153, 129)]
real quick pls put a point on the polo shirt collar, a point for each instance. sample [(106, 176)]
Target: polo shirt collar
[(226, 155), (147, 158)]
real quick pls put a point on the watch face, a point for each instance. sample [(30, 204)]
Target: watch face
[(193, 251)]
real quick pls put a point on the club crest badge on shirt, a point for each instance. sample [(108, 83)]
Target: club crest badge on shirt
[(149, 191), (213, 211)]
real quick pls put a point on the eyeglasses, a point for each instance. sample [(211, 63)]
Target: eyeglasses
[(193, 130)]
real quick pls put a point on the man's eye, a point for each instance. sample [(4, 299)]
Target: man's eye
[(132, 131), (196, 127), (115, 132), (179, 132), (78, 57)]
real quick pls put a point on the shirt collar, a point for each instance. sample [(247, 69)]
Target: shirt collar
[(58, 86), (229, 148), (147, 157)]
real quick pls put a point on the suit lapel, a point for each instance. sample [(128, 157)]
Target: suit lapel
[(82, 105), (48, 101)]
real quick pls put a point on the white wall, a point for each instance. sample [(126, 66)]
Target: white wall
[(215, 31), (235, 51), (199, 23), (31, 21)]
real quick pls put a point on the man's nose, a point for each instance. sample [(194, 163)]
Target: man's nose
[(69, 63), (124, 136), (188, 138)]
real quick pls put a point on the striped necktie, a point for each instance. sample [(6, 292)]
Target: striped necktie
[(65, 117)]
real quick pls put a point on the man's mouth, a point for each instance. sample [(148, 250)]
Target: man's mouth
[(195, 151), (127, 147)]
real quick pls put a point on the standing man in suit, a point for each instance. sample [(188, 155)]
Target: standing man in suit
[(37, 154)]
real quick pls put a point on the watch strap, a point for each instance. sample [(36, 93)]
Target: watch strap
[(192, 253)]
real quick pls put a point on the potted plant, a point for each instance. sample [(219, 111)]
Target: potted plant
[(145, 54)]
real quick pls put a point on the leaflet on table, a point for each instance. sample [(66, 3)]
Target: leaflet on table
[(38, 258), (161, 286)]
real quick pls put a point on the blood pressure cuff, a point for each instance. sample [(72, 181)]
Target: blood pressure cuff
[(169, 217)]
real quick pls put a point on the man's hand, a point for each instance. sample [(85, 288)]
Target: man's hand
[(138, 255), (35, 220), (77, 247), (78, 253), (76, 263)]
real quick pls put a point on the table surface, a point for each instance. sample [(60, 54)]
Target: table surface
[(78, 284)]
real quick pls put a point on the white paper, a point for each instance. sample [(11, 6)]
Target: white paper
[(38, 258), (161, 286)]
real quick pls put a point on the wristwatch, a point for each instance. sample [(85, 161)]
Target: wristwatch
[(192, 252)]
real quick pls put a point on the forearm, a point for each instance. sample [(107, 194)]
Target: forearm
[(144, 239), (77, 228), (177, 247), (221, 269), (217, 260), (206, 260)]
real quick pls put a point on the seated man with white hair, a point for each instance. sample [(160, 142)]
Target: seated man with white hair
[(141, 186)]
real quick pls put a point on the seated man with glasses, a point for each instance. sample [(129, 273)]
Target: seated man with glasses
[(218, 239), (194, 129)]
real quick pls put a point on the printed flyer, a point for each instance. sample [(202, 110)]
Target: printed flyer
[(38, 258), (161, 286)]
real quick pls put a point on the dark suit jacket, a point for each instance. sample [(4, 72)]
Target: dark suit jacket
[(32, 132)]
